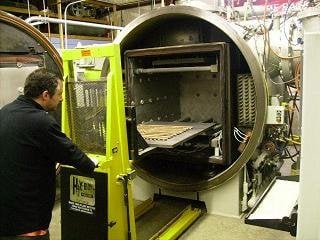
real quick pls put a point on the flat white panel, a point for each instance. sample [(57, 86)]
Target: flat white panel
[(142, 190), (11, 81), (309, 198), (278, 202), (225, 199)]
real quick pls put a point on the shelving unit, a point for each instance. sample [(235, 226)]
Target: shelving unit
[(52, 33), (50, 14)]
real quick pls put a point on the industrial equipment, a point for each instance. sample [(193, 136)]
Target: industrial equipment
[(22, 50), (103, 202), (204, 112), (200, 69), (201, 103), (283, 215), (93, 115)]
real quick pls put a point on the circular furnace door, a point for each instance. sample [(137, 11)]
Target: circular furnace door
[(197, 95)]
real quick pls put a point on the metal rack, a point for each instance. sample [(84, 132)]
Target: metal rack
[(173, 139)]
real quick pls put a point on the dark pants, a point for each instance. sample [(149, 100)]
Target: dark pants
[(44, 237)]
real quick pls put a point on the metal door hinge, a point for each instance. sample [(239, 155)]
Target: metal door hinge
[(111, 224)]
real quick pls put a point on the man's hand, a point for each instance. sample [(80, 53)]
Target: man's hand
[(95, 161)]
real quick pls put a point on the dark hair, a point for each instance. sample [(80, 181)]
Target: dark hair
[(39, 81)]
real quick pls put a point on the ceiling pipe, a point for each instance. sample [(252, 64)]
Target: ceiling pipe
[(36, 20)]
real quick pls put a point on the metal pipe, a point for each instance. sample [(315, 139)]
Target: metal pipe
[(60, 24), (211, 68), (65, 22), (36, 23), (39, 19)]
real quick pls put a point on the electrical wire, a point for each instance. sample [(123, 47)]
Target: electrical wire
[(284, 23), (290, 137), (278, 55), (235, 136), (265, 62), (282, 57), (266, 40), (293, 97), (291, 156), (283, 82), (293, 141), (238, 134), (297, 77)]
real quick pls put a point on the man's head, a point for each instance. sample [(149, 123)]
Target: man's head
[(45, 88)]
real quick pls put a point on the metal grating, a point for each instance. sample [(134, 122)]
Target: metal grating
[(86, 107), (170, 134), (161, 132), (246, 100)]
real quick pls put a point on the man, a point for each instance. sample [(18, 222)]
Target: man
[(30, 145)]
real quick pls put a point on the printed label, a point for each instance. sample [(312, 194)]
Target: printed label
[(86, 53), (82, 194)]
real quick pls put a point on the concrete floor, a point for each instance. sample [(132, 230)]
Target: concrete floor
[(213, 227), (208, 227)]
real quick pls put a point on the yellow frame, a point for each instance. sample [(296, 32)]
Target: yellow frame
[(116, 160)]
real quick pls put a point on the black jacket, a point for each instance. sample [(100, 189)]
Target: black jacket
[(30, 145)]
